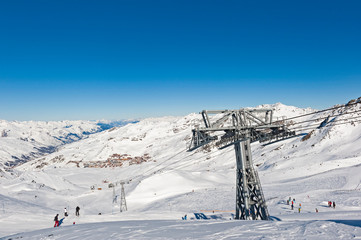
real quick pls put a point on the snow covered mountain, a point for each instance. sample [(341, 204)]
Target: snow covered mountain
[(23, 141), (149, 139), (164, 181)]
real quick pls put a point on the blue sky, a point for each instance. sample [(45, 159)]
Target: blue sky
[(133, 59)]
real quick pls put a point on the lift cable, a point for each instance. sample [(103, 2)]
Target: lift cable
[(322, 118), (317, 125), (336, 124), (324, 110), (151, 170)]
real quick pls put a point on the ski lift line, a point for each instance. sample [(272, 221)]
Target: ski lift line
[(305, 129), (331, 117), (339, 120), (151, 170), (311, 120), (324, 110), (159, 170), (283, 139), (312, 128), (179, 167), (323, 118), (187, 164), (314, 125), (146, 172), (162, 168), (206, 155), (165, 167), (192, 163)]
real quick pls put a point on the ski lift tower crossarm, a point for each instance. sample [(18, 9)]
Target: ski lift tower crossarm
[(240, 128)]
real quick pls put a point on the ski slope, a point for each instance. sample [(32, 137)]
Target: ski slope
[(173, 182), (225, 229)]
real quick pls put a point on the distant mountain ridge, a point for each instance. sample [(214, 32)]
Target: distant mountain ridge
[(24, 141), (139, 142)]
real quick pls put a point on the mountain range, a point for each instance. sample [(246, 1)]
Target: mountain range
[(164, 181)]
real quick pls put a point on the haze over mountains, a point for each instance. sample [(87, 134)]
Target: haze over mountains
[(71, 163)]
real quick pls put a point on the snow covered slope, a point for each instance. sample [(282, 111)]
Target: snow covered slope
[(23, 141), (163, 181)]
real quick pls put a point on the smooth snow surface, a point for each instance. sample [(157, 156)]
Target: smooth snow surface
[(177, 229), (169, 182)]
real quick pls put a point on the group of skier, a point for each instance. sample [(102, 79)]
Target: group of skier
[(59, 222), (292, 202)]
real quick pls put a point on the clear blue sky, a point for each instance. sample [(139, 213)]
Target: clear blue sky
[(121, 59)]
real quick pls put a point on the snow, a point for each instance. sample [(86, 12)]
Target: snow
[(177, 229), (174, 182), (23, 141)]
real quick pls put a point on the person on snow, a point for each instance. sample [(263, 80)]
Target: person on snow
[(56, 220), (292, 206), (334, 204), (316, 210), (65, 212), (77, 211)]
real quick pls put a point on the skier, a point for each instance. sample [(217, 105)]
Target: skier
[(334, 204), (56, 220), (316, 210), (299, 209), (77, 211), (185, 217), (292, 206), (65, 212)]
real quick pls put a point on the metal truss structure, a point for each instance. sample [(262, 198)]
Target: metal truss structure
[(239, 128), (123, 203)]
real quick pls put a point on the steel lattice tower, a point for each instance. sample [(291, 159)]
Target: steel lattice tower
[(123, 203), (240, 128)]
